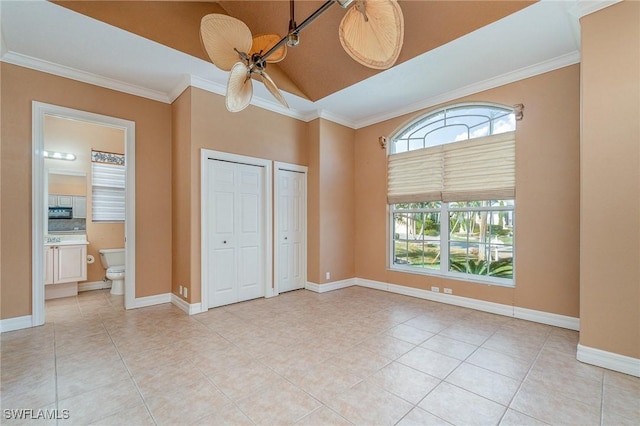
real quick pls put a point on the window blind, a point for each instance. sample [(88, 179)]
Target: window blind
[(416, 175), (476, 169), (108, 192)]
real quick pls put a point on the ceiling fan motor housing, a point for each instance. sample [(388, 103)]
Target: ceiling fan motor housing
[(258, 62)]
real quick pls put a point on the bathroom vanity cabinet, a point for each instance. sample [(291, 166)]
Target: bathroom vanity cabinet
[(64, 266), (65, 263)]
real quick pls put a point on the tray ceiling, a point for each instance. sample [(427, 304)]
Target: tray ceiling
[(152, 49)]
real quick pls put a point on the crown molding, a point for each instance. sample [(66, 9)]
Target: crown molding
[(491, 83), (83, 76), (217, 88), (277, 108), (587, 7), (329, 116), (220, 89), (177, 90), (168, 98), (208, 85)]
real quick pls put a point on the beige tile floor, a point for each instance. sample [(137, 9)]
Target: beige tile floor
[(351, 356)]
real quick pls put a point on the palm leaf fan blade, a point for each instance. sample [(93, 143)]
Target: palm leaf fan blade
[(239, 88), (372, 32), (223, 37), (273, 89), (262, 43)]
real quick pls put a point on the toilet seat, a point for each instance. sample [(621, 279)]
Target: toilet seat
[(115, 269)]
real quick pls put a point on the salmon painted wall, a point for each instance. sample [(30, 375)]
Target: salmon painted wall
[(181, 190), (547, 198), (610, 199), (255, 132), (336, 202), (313, 203), (60, 184), (20, 86), (80, 138)]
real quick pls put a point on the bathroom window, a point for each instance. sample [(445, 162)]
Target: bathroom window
[(107, 192)]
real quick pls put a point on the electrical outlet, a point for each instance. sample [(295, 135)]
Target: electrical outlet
[(448, 291), (180, 291), (328, 275), (435, 289), (184, 292)]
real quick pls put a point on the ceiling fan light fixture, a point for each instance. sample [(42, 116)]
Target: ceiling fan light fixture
[(293, 39)]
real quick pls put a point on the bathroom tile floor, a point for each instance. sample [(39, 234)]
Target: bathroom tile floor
[(350, 356)]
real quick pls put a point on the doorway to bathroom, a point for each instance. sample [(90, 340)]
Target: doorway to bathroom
[(73, 154)]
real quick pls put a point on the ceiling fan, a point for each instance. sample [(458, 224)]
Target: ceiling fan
[(371, 32)]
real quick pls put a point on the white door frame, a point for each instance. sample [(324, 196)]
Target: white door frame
[(267, 225), (278, 168), (39, 111)]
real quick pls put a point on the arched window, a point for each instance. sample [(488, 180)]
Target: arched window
[(454, 124), (452, 194)]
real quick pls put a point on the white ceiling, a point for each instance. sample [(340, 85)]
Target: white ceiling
[(537, 39)]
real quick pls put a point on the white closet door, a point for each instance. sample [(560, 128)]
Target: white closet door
[(291, 236), (249, 232), (235, 232)]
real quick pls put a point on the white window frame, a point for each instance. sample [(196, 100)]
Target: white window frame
[(444, 212), (444, 271)]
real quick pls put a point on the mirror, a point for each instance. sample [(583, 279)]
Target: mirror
[(67, 202)]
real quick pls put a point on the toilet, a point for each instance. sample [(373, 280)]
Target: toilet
[(113, 261)]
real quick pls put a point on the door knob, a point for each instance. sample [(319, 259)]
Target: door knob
[(224, 242), (285, 238)]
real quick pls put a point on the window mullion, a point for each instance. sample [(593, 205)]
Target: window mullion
[(444, 237)]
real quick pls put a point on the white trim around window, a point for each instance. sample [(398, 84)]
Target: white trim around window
[(442, 240)]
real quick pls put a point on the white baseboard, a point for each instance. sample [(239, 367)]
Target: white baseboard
[(16, 323), (158, 299), (377, 285), (93, 285), (189, 309), (312, 286), (548, 318), (609, 360), (323, 288), (480, 305), (450, 299)]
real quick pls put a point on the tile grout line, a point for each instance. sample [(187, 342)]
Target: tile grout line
[(135, 383), (463, 361), (222, 392), (452, 371), (419, 345), (360, 327), (55, 368), (524, 379)]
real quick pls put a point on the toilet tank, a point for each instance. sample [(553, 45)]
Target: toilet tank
[(111, 257)]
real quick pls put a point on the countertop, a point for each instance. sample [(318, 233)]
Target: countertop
[(65, 240)]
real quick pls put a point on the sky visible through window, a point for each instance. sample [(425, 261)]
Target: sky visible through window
[(453, 125)]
